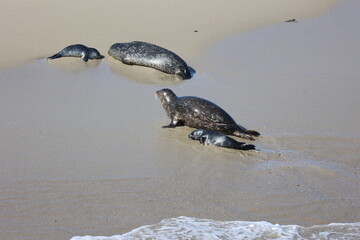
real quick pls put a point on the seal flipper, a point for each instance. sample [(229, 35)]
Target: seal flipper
[(203, 139), (253, 133), (243, 135), (85, 58), (175, 123), (127, 62), (244, 146), (58, 55), (169, 126), (249, 132)]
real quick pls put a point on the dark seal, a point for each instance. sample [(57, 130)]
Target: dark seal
[(200, 113), (78, 50), (150, 55), (210, 137)]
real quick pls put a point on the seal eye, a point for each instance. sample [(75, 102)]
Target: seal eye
[(185, 73)]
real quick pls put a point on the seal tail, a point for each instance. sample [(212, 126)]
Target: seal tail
[(243, 130), (244, 146), (253, 133), (58, 55), (243, 135)]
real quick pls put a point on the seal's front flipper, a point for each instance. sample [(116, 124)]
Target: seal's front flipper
[(202, 139), (85, 58), (127, 62), (58, 55), (175, 123), (169, 126)]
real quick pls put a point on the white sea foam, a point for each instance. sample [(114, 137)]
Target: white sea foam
[(193, 228)]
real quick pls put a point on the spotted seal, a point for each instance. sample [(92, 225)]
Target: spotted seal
[(78, 50), (210, 137), (150, 55), (200, 113)]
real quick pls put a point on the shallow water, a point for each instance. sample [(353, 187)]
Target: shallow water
[(83, 151)]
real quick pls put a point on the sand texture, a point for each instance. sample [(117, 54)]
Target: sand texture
[(82, 148), (35, 29)]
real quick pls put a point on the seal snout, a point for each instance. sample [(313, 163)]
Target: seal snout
[(159, 94), (166, 94), (191, 136), (184, 73), (196, 134)]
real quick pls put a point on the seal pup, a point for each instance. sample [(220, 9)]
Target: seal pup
[(150, 55), (78, 50), (197, 112), (210, 137)]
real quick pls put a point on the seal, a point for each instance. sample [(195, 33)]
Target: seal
[(78, 50), (210, 137), (197, 112), (150, 55)]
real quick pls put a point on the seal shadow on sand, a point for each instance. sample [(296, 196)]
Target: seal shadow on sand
[(71, 64), (145, 75)]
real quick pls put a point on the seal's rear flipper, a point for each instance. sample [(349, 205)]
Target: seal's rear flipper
[(58, 55), (247, 147), (253, 133), (243, 135)]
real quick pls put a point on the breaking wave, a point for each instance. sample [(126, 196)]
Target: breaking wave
[(194, 228)]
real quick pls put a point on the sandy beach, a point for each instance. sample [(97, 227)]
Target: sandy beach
[(82, 148)]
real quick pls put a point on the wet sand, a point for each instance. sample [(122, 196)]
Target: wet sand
[(82, 148)]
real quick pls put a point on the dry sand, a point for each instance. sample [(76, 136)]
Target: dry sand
[(82, 150)]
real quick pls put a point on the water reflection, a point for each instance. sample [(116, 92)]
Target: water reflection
[(71, 64), (145, 74)]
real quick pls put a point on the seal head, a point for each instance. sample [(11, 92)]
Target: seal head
[(209, 137), (200, 113), (78, 50), (150, 55)]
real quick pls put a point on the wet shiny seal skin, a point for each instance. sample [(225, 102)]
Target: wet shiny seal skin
[(196, 112), (78, 50), (150, 55), (210, 137)]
